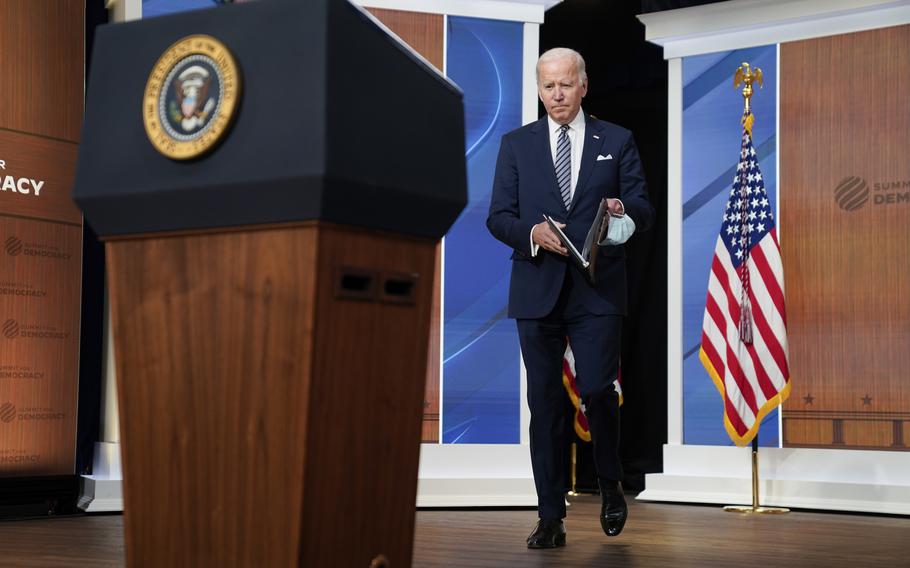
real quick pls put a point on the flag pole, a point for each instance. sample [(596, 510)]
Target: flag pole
[(755, 507), (572, 491), (746, 75)]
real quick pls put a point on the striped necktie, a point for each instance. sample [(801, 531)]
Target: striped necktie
[(563, 165)]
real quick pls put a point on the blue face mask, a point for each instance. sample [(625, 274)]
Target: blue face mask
[(618, 231)]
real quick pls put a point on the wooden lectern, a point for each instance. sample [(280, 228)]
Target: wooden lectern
[(271, 298)]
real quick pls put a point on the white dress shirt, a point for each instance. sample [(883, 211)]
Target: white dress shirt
[(576, 134), (619, 232)]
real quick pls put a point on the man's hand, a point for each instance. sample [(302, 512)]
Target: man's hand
[(615, 207), (544, 236)]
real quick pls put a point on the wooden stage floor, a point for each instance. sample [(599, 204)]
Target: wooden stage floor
[(657, 535)]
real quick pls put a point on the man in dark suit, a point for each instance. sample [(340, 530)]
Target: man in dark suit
[(562, 166)]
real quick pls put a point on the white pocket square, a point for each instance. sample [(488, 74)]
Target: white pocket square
[(602, 157)]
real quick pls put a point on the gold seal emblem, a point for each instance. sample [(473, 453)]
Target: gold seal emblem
[(191, 97)]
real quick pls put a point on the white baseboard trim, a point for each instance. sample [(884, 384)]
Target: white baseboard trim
[(837, 480), (101, 495), (476, 492), (475, 475), (854, 497)]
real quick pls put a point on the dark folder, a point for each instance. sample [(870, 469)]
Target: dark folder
[(587, 258)]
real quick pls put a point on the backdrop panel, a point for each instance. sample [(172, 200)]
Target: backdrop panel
[(40, 291), (711, 139), (41, 70), (845, 214), (481, 378), (41, 46)]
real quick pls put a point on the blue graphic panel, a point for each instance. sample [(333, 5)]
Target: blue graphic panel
[(152, 8), (712, 135), (481, 383)]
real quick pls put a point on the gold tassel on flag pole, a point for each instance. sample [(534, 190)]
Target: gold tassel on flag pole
[(747, 75)]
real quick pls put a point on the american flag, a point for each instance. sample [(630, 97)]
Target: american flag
[(580, 421), (744, 335)]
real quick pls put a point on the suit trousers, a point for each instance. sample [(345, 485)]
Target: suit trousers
[(595, 341)]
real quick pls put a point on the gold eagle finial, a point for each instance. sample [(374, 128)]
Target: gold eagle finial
[(747, 75)]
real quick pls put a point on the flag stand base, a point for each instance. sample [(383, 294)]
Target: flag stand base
[(755, 508)]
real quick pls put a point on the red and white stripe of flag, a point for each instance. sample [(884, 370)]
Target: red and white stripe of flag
[(752, 378), (568, 381)]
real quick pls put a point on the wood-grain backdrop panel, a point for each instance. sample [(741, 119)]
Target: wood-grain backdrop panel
[(424, 33), (845, 238), (41, 73), (40, 288), (42, 66), (52, 162)]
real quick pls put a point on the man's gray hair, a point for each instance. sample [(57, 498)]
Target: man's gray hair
[(560, 53)]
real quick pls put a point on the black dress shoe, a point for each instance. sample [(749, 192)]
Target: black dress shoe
[(614, 511), (548, 534)]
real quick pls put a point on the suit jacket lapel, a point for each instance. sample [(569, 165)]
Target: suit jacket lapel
[(589, 153), (541, 131)]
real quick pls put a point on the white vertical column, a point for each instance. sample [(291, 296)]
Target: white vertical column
[(442, 256), (102, 491), (124, 10), (780, 410), (530, 53), (674, 254), (107, 450)]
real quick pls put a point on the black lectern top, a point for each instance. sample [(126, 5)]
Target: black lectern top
[(335, 120)]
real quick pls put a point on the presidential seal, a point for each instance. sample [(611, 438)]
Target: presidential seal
[(191, 97)]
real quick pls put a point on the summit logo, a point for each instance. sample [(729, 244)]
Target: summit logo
[(7, 412), (13, 246), (10, 329), (853, 193)]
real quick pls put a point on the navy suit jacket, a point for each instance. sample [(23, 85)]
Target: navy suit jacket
[(525, 189)]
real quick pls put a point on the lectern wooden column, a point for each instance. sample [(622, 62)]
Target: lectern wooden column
[(271, 298)]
